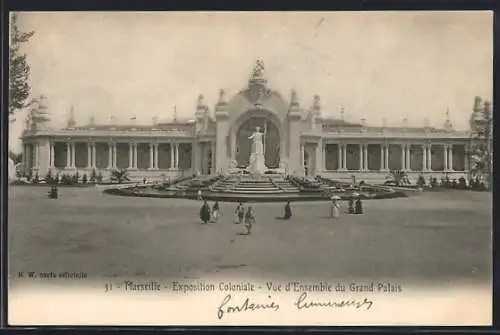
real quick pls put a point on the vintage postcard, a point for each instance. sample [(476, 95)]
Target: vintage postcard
[(250, 168)]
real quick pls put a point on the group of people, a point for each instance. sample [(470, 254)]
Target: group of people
[(209, 216), (354, 207)]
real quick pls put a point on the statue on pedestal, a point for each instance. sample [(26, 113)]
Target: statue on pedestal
[(257, 160)]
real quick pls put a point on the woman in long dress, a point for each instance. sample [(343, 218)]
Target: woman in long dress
[(239, 214), (215, 212), (205, 213), (335, 209)]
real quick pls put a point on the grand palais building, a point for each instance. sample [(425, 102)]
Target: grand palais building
[(298, 140)]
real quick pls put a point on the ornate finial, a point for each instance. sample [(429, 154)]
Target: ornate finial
[(363, 122), (155, 120), (91, 121), (112, 119), (222, 97), (258, 70), (342, 113), (201, 101), (316, 102), (175, 114), (447, 123), (477, 102), (71, 118), (294, 99), (487, 108)]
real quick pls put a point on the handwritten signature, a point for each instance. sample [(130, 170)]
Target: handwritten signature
[(246, 306), (302, 303), (227, 306)]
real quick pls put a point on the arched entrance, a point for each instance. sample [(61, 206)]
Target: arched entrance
[(271, 141)]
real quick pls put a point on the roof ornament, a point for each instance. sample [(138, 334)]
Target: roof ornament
[(294, 99), (405, 124), (222, 97), (257, 75), (71, 119), (447, 123)]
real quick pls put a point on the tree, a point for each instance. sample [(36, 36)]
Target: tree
[(16, 158), (119, 176), (481, 150), (19, 70)]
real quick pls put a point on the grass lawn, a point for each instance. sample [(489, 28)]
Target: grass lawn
[(428, 236)]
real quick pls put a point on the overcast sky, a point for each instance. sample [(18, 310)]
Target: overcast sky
[(375, 64)]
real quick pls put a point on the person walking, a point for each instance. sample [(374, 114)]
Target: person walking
[(239, 214), (335, 207), (288, 211), (215, 212), (359, 206), (249, 219), (205, 213)]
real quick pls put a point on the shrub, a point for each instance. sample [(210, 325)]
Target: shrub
[(98, 178), (421, 181), (84, 178), (48, 177)]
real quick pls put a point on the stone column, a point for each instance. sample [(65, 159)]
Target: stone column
[(176, 156), (151, 158), (171, 155), (466, 160), (408, 157), (424, 158), (323, 155), (360, 146), (450, 158), (52, 155), (135, 155), (318, 166), (68, 155), (339, 156), (94, 160), (386, 157), (403, 157), (156, 156), (110, 155), (37, 156), (73, 154), (429, 157), (302, 160), (215, 156), (89, 155), (445, 157), (115, 154), (365, 156), (344, 157), (382, 159), (130, 155)]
